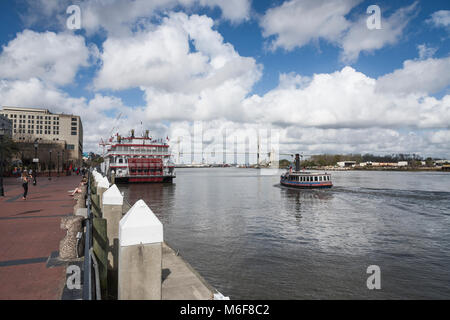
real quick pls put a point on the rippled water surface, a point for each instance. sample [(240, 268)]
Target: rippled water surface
[(253, 239)]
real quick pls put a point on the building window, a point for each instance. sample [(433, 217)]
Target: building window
[(70, 147), (73, 133)]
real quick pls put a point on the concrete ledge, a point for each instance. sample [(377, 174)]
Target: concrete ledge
[(180, 280)]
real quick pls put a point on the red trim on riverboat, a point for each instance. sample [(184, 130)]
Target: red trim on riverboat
[(138, 145)]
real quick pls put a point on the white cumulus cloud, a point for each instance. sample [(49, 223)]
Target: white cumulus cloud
[(417, 76), (358, 38), (297, 23), (53, 57), (440, 18), (184, 67), (118, 17)]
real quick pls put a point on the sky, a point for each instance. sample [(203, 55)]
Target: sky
[(315, 76)]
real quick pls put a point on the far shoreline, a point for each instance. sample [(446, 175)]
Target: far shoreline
[(401, 169)]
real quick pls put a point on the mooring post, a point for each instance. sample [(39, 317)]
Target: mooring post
[(112, 212), (140, 254)]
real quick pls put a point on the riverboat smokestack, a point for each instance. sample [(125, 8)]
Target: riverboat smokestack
[(297, 162)]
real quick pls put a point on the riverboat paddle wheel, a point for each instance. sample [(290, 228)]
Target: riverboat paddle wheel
[(145, 170)]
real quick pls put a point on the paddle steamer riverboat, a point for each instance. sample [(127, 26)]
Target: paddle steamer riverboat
[(138, 159)]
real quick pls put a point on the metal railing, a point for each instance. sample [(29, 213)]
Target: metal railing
[(87, 278), (91, 282)]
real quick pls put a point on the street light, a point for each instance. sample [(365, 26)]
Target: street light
[(62, 161), (36, 144), (50, 165), (57, 166)]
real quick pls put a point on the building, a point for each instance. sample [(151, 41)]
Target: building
[(441, 162), (5, 126), (388, 164), (47, 128), (345, 164)]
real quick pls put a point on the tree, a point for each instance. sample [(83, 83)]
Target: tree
[(8, 148), (283, 163)]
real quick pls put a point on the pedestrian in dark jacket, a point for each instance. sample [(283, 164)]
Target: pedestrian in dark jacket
[(24, 180)]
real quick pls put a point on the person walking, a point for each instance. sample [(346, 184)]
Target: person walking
[(24, 179)]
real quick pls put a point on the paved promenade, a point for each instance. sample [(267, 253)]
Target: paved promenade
[(29, 233)]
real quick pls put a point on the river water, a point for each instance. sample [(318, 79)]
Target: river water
[(251, 238)]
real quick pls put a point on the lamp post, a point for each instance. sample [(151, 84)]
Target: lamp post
[(50, 165), (36, 144), (62, 161), (57, 166)]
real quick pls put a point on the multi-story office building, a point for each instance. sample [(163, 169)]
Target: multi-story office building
[(30, 124)]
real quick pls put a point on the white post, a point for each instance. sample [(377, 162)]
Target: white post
[(140, 254), (112, 212), (96, 176), (102, 186)]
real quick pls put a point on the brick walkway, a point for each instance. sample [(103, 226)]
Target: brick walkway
[(29, 233)]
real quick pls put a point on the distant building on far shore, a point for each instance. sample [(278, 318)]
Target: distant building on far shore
[(65, 131), (441, 162), (345, 164)]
